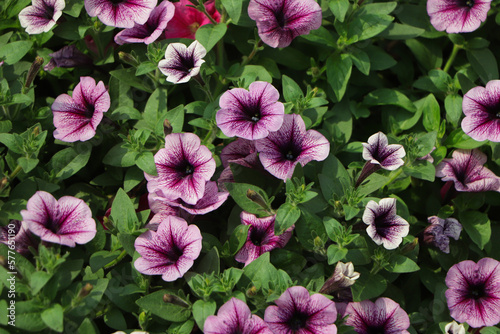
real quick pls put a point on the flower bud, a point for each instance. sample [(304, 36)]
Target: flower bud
[(343, 277)]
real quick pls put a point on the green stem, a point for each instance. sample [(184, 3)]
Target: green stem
[(204, 10), (393, 177), (115, 261), (12, 175), (453, 55), (256, 48)]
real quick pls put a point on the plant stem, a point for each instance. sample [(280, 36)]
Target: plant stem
[(393, 177), (256, 48), (115, 261), (453, 55), (204, 10)]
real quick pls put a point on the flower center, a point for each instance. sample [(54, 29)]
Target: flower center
[(280, 18), (116, 2), (476, 291), (193, 27), (376, 330), (173, 254), (298, 321), (189, 169), (255, 118), (256, 236), (469, 3), (90, 111)]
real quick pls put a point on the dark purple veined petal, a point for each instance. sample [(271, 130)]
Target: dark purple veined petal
[(181, 63), (123, 14), (457, 16), (378, 151), (41, 16), (68, 56), (279, 22)]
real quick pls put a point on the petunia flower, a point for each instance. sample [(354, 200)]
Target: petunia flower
[(122, 13), (454, 328), (467, 172), (384, 226), (439, 232), (67, 56), (280, 21), (250, 114), (481, 106), (456, 16), (234, 317), (77, 117), (184, 166), (170, 250), (298, 312), (212, 199), (280, 151), (473, 294), (67, 221), (383, 316), (18, 237), (187, 19), (181, 63), (148, 32), (41, 16), (261, 237), (343, 277)]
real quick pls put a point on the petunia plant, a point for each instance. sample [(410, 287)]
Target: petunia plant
[(257, 167)]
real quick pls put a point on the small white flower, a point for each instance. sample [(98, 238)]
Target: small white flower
[(181, 62)]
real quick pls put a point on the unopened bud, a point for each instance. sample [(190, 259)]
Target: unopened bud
[(36, 131), (128, 58), (252, 291), (167, 127), (256, 198), (172, 299), (318, 242), (343, 277), (85, 290), (3, 261), (409, 247), (143, 319), (33, 71)]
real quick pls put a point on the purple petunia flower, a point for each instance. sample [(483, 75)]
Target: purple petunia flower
[(261, 237), (299, 313), (280, 21), (383, 316), (481, 107), (384, 226), (457, 16), (467, 172), (212, 199), (77, 117), (170, 251), (148, 32), (252, 113), (234, 317), (473, 293), (181, 63), (18, 237), (122, 13), (41, 16), (184, 166), (280, 151), (68, 56), (439, 232), (378, 152), (67, 221)]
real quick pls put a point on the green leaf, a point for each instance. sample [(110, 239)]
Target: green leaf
[(335, 254), (152, 118), (208, 35), (484, 63), (73, 7), (402, 264), (171, 312), (176, 118), (368, 285), (233, 9), (145, 67), (202, 309), (15, 51), (123, 213), (260, 272), (53, 317), (210, 263), (398, 31), (119, 156), (386, 96), (458, 139), (146, 161), (127, 75), (338, 72), (27, 164), (453, 107), (427, 53), (102, 258), (90, 302), (477, 225), (339, 8), (253, 73), (38, 281), (421, 170), (379, 59), (238, 192), (432, 116), (286, 216), (365, 25), (69, 161), (291, 91), (310, 230), (238, 238), (14, 142), (334, 178), (361, 60)]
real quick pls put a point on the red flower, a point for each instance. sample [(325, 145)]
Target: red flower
[(188, 19)]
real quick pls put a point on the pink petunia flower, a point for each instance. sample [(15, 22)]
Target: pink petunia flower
[(181, 63), (234, 317), (383, 316), (170, 250), (250, 114), (184, 166), (187, 19), (280, 21), (384, 226), (77, 117), (121, 14), (280, 151), (148, 32), (439, 232), (467, 172), (456, 16), (41, 16), (67, 221), (261, 237), (18, 237), (473, 294), (298, 312), (481, 108)]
